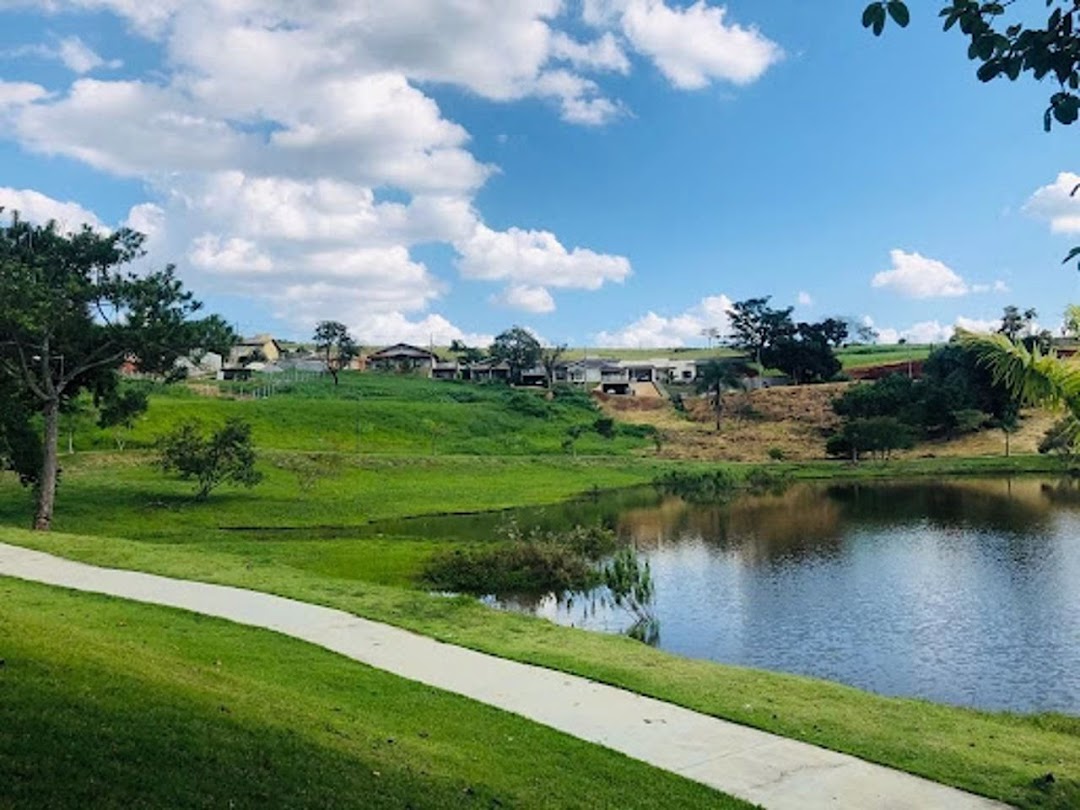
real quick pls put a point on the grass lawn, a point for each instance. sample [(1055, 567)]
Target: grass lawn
[(105, 703), (441, 448), (863, 356), (998, 755)]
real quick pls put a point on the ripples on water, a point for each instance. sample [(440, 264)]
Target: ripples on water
[(959, 591)]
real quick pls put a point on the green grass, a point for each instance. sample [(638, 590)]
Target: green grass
[(304, 542), (107, 704), (378, 413), (998, 755), (863, 356)]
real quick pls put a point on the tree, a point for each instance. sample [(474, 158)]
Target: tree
[(225, 456), (718, 376), (806, 356), (835, 330), (69, 317), (1072, 320), (549, 359), (755, 326), (1030, 377), (466, 354), (517, 347), (120, 412), (1011, 49), (335, 344), (866, 334), (877, 434)]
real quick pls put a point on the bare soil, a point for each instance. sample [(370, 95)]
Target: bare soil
[(793, 419)]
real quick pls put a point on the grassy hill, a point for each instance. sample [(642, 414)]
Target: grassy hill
[(375, 413)]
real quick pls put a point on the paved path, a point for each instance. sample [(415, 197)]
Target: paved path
[(771, 771)]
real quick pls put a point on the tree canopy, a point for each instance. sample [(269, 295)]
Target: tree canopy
[(755, 326), (519, 348), (69, 318), (1009, 48), (336, 346)]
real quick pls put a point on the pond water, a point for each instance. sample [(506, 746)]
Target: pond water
[(959, 591)]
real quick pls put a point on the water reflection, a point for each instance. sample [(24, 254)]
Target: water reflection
[(960, 591)]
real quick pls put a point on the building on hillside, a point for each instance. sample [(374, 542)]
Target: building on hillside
[(487, 372), (402, 357), (450, 370), (258, 349)]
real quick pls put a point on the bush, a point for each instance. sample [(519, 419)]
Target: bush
[(699, 487), (777, 453), (226, 456), (879, 435), (1061, 438), (528, 405), (605, 426), (511, 568)]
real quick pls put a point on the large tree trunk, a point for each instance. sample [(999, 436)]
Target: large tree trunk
[(46, 495)]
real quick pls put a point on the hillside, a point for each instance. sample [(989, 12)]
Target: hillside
[(793, 419)]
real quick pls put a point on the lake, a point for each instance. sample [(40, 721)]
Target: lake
[(961, 591)]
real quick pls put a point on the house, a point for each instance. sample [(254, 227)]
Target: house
[(489, 371), (402, 357), (261, 348), (536, 376), (447, 371)]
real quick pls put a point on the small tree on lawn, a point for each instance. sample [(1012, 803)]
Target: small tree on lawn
[(227, 456), (335, 344)]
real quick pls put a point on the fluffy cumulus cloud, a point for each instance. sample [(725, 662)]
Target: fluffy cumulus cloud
[(1057, 204), (915, 276), (269, 135), (37, 207), (526, 298), (652, 331), (932, 331)]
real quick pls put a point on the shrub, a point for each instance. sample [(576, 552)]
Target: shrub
[(699, 487), (605, 426), (226, 456), (777, 453), (879, 435)]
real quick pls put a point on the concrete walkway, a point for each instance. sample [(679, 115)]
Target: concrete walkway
[(772, 771)]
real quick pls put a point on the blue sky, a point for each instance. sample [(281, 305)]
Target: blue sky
[(605, 172)]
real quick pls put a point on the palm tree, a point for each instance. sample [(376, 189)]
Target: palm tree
[(1032, 377), (716, 377)]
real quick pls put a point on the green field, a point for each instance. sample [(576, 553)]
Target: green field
[(299, 540), (109, 704)]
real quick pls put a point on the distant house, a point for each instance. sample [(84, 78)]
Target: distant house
[(206, 364), (402, 357), (447, 371), (487, 372), (258, 349)]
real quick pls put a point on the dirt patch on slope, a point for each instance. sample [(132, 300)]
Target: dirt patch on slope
[(794, 420)]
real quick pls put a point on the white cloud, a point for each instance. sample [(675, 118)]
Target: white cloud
[(933, 331), (34, 206), (235, 255), (653, 331), (536, 257), (695, 45), (1056, 203), (272, 128), (526, 298), (604, 53), (916, 276), (805, 299), (15, 94), (435, 330), (80, 57)]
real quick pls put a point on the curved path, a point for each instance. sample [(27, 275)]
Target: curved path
[(772, 771)]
